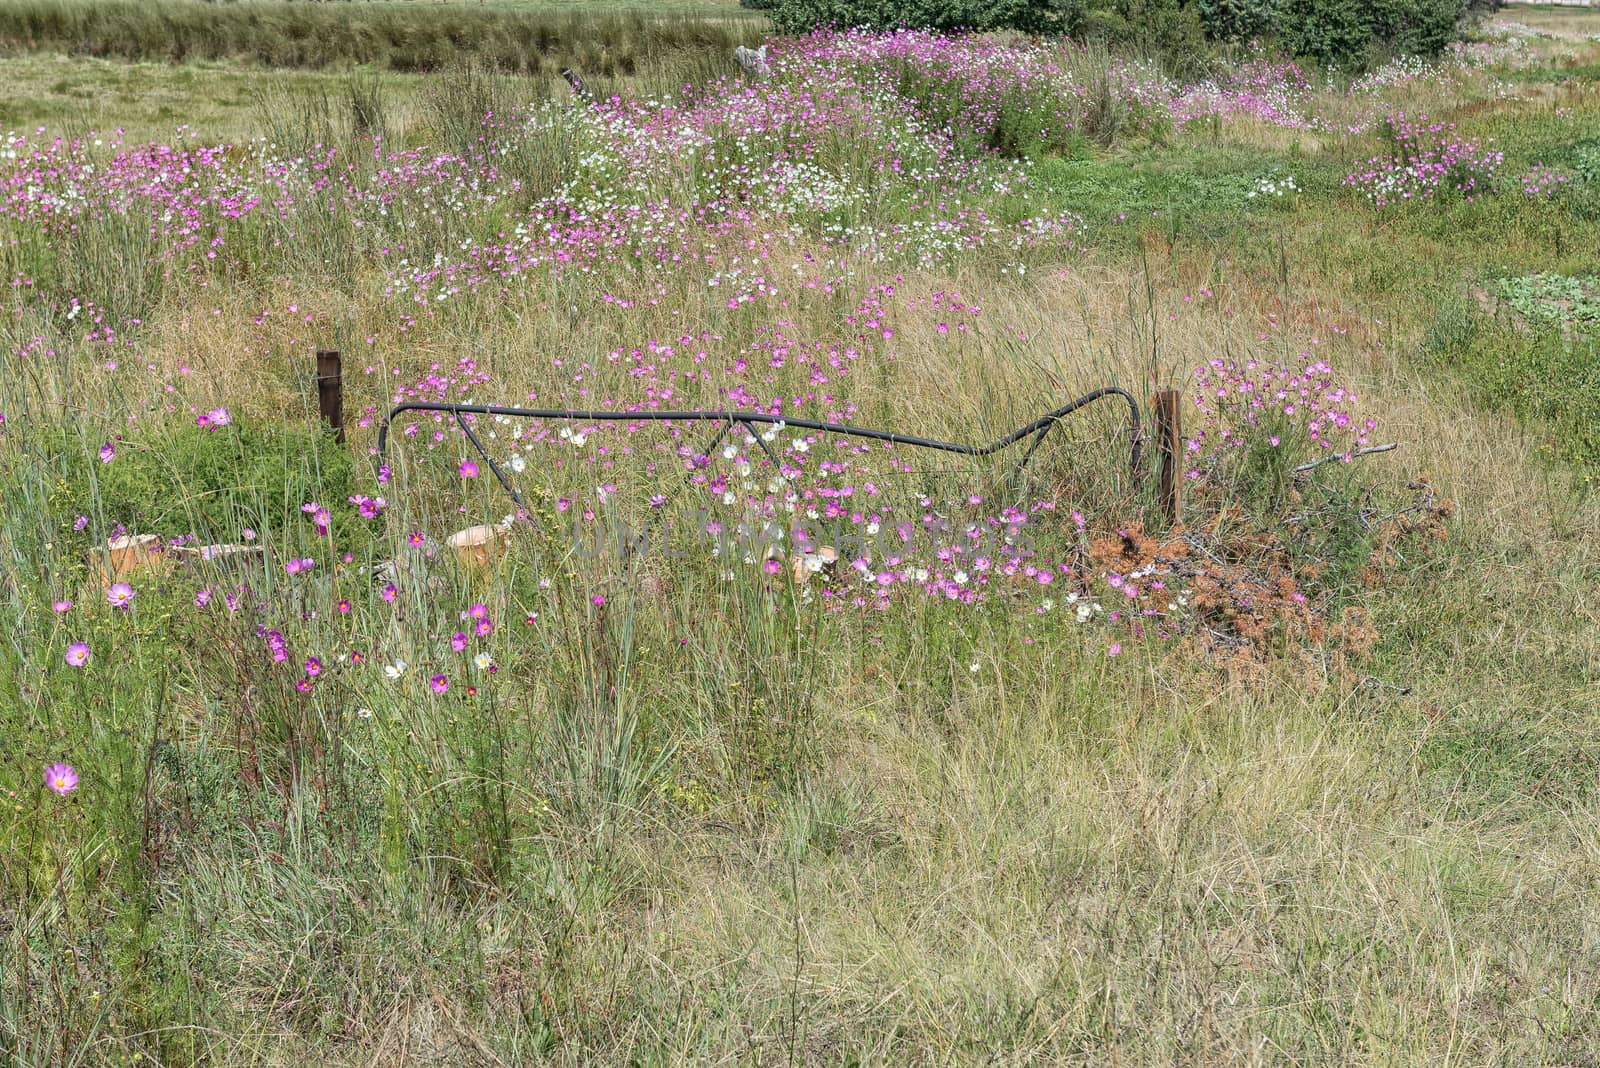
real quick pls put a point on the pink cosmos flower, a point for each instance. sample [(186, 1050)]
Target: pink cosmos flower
[(478, 611), (388, 593), (61, 778), (458, 641), (108, 452), (483, 628), (62, 606), (439, 683), (313, 666), (120, 595), (469, 469), (78, 654)]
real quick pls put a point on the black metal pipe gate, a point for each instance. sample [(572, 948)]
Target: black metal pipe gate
[(749, 420)]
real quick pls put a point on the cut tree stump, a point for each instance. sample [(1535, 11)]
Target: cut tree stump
[(476, 548), (125, 555)]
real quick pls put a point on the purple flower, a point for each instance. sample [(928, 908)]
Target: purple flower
[(78, 654), (296, 567), (458, 641), (313, 666), (388, 592), (108, 452), (478, 611), (120, 595), (219, 417), (61, 778), (62, 606), (469, 469), (320, 517), (439, 683), (80, 522), (370, 507), (202, 598)]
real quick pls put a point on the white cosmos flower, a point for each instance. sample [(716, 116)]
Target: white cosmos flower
[(729, 452), (802, 445), (483, 660), (579, 439), (364, 713), (518, 464), (395, 670)]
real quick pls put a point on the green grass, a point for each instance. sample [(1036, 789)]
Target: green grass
[(604, 40)]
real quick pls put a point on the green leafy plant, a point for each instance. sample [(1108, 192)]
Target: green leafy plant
[(210, 483)]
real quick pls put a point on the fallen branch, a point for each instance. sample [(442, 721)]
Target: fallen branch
[(1303, 468)]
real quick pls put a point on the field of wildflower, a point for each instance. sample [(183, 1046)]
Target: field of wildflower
[(609, 739)]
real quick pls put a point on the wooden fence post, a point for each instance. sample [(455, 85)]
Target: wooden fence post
[(330, 391), (1169, 437)]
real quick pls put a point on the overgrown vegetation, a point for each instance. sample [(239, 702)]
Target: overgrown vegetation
[(399, 37), (955, 761)]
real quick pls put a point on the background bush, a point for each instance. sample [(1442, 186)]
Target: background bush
[(1037, 16), (1240, 20), (1167, 30), (1342, 34), (1351, 34)]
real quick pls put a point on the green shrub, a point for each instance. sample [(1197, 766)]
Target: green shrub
[(1039, 16), (1586, 161), (1168, 30), (1240, 20), (212, 484), (1350, 34)]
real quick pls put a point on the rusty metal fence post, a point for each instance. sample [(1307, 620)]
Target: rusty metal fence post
[(330, 391), (1169, 447)]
